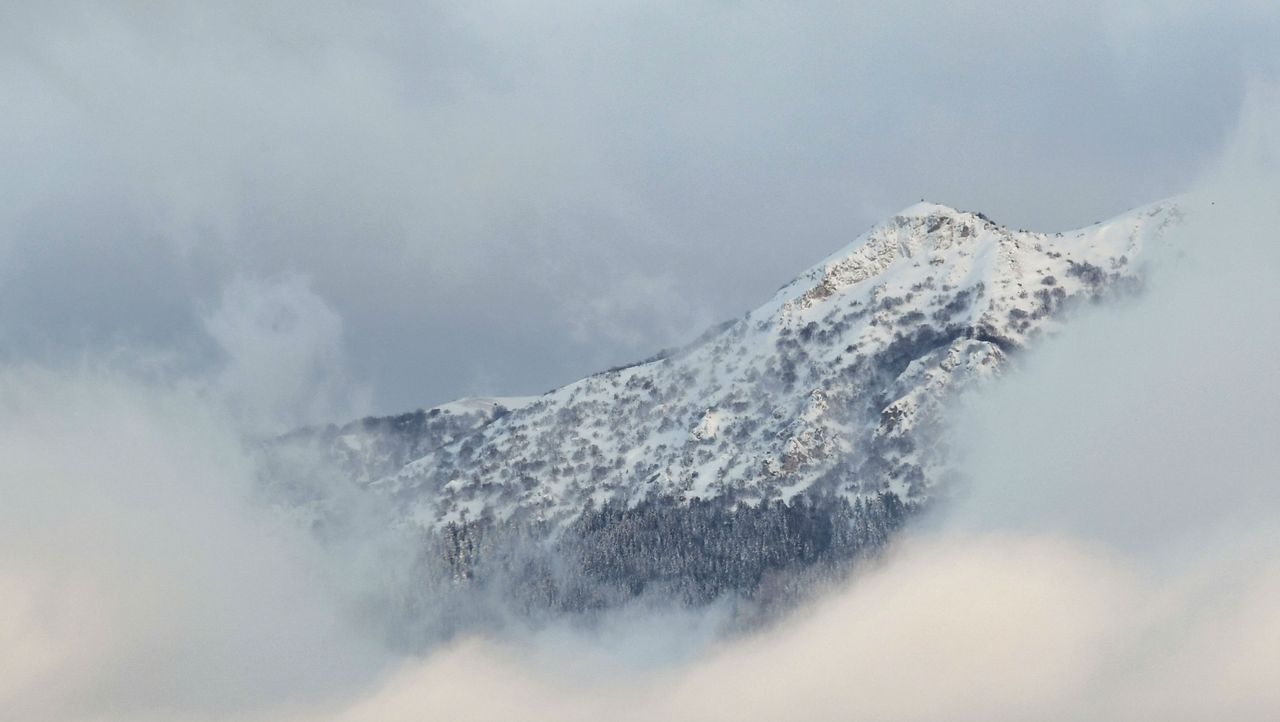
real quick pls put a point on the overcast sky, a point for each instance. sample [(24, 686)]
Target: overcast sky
[(424, 200)]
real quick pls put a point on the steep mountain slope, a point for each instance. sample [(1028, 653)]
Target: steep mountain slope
[(794, 439), (836, 385)]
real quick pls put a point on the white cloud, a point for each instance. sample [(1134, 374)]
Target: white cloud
[(137, 571), (284, 358), (986, 627)]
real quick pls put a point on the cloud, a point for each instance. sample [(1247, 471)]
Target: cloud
[(977, 627), (138, 573), (284, 358), (443, 173), (1142, 426)]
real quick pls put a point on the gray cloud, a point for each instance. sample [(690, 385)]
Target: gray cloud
[(499, 199)]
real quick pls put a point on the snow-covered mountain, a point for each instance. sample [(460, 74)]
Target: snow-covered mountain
[(835, 384), (836, 388)]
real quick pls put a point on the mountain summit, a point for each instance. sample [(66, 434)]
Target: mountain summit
[(833, 385), (831, 395)]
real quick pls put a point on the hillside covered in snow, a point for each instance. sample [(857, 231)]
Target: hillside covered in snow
[(830, 399)]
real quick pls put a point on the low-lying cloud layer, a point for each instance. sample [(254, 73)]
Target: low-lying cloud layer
[(989, 627)]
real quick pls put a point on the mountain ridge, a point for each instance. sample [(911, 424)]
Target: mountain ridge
[(830, 386), (767, 457)]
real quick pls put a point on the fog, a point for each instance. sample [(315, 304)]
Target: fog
[(138, 574), (1112, 554)]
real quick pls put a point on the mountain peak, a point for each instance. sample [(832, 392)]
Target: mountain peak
[(837, 386), (794, 438), (925, 209)]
